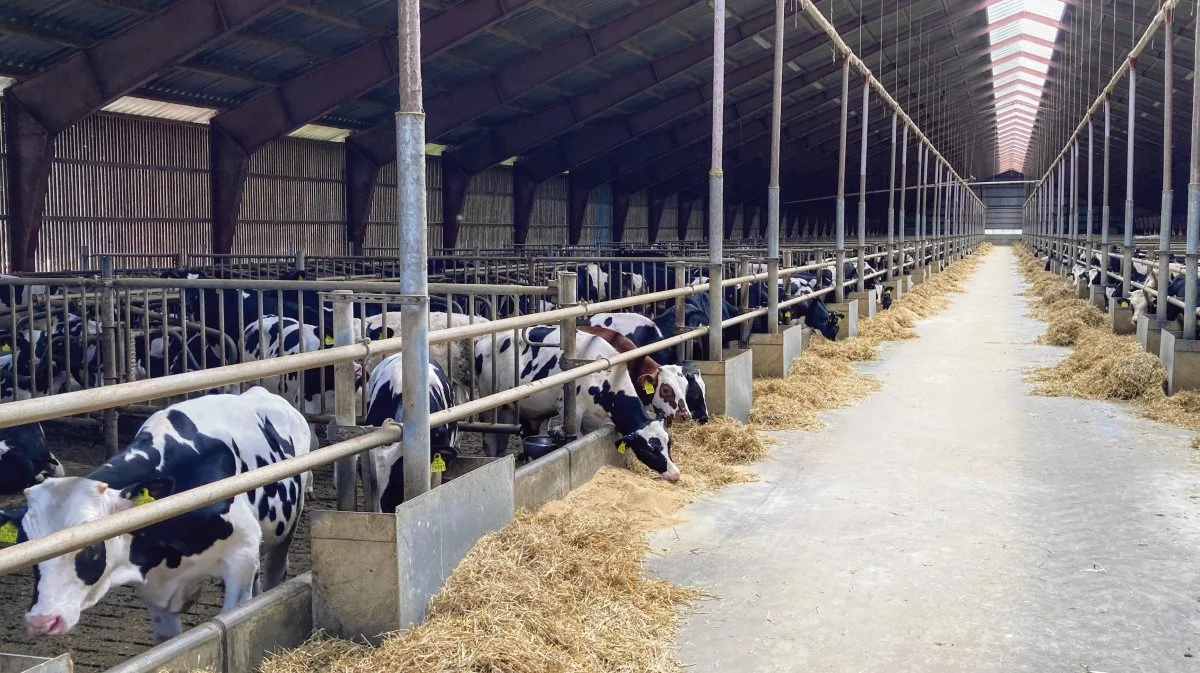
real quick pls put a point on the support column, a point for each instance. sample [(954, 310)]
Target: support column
[(30, 153), (683, 214), (655, 201), (229, 166), (1127, 243), (454, 196), (414, 251), (524, 192), (361, 174), (577, 201), (1150, 328), (621, 197), (865, 298)]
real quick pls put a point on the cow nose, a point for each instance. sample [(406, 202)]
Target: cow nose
[(683, 415), (45, 625), (672, 475)]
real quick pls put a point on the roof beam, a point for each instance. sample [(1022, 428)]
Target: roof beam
[(239, 132), (87, 80), (470, 101), (522, 134)]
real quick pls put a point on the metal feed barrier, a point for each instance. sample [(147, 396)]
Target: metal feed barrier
[(341, 356)]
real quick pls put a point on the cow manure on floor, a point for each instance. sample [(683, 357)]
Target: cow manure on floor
[(824, 377), (562, 588)]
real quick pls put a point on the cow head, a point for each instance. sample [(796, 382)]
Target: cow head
[(652, 445), (69, 584), (697, 396), (24, 460), (886, 297), (670, 392), (1141, 303)]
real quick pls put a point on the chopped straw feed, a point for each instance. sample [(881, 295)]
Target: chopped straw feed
[(815, 383), (1102, 365), (561, 589)]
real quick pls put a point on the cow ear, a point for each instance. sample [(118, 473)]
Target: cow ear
[(152, 489), (646, 383)]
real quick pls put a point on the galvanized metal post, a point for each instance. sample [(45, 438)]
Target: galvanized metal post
[(716, 189), (839, 272), (743, 268), (108, 302), (1060, 219), (903, 198), (1127, 243), (1193, 206), (414, 256), (1091, 234), (1074, 206), (85, 258), (891, 213), (918, 233), (684, 349), (567, 291), (936, 222), (861, 286), (1105, 211), (773, 187), (1164, 227), (345, 469)]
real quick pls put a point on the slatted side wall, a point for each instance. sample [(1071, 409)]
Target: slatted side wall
[(125, 184), (294, 199)]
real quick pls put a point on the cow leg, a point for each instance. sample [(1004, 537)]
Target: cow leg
[(496, 443), (275, 564), (164, 623), (238, 572)]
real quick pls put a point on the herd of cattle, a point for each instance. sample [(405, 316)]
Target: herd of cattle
[(1143, 271), (221, 434)]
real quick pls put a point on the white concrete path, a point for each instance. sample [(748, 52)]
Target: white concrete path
[(953, 522)]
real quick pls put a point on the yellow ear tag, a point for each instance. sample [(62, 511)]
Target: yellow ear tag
[(143, 497), (8, 533), (6, 348), (621, 448), (648, 387), (328, 340), (438, 465), (787, 315)]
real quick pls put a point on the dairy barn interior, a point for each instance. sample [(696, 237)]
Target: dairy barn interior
[(599, 335)]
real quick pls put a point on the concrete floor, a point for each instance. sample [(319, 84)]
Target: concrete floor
[(953, 522)]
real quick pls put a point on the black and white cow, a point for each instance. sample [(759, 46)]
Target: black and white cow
[(18, 294), (310, 390), (183, 447), (385, 400), (642, 331), (24, 459), (609, 396)]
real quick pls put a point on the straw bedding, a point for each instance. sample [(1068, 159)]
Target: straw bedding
[(815, 383), (1102, 365), (561, 589)]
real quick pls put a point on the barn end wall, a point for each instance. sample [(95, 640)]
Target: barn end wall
[(238, 640)]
